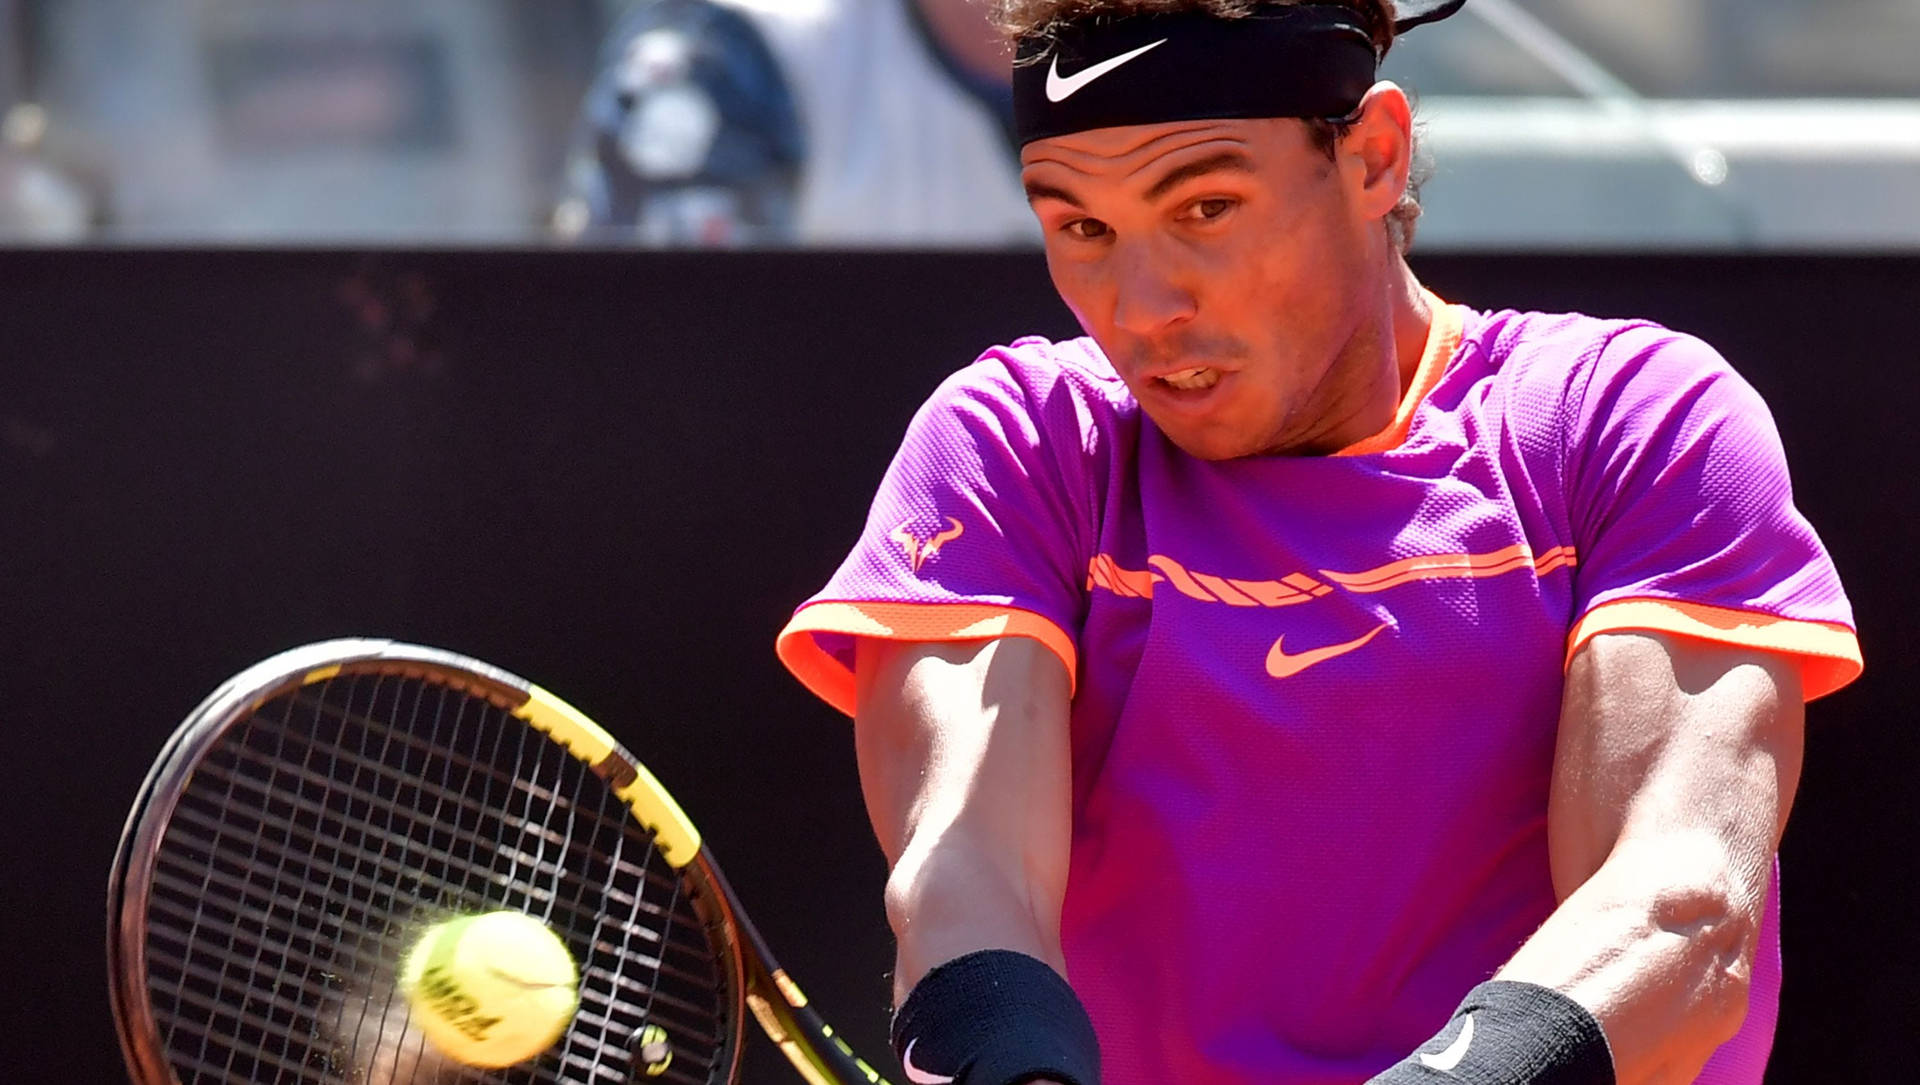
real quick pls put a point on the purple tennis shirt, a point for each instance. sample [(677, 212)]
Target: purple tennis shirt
[(1315, 698)]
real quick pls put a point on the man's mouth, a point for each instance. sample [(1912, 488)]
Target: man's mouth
[(1192, 380)]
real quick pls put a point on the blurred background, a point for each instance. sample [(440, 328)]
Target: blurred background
[(1611, 124), (575, 335)]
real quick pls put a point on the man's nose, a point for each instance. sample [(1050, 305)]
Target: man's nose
[(1148, 298)]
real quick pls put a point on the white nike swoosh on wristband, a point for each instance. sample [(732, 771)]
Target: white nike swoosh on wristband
[(917, 1075), (1450, 1058), (1060, 89)]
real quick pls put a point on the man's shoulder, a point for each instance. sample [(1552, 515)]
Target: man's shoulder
[(1568, 353), (1042, 368), (1080, 360), (1527, 341), (1570, 379), (1065, 391)]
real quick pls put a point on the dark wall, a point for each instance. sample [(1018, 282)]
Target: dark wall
[(617, 473)]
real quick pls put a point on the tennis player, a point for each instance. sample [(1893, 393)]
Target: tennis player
[(1334, 684)]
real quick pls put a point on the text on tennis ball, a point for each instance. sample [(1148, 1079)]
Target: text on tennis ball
[(441, 993)]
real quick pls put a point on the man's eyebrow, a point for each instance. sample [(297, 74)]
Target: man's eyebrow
[(1037, 191), (1225, 161)]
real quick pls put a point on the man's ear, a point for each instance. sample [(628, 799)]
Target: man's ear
[(1377, 150)]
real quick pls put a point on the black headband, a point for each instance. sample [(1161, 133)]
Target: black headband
[(1294, 60)]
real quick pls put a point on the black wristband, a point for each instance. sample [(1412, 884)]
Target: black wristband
[(1509, 1033), (995, 1017)]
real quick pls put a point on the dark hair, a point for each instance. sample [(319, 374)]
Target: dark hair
[(1026, 20), (1023, 19)]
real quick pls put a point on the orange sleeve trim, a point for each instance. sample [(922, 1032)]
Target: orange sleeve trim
[(1443, 339), (1828, 652), (832, 682)]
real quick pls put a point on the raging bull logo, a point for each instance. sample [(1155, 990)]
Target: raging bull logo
[(442, 994), (919, 553)]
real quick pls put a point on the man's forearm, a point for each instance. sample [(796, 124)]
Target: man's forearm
[(953, 896), (963, 753), (1658, 945)]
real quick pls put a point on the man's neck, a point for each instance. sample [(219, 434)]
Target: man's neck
[(961, 29), (1412, 323), (1364, 405)]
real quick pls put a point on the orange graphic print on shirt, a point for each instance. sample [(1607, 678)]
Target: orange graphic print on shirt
[(1280, 664), (919, 553), (1104, 573)]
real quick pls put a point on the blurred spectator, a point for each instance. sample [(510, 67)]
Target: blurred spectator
[(859, 123), (41, 200)]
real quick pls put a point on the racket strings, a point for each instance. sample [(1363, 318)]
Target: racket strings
[(326, 831), (275, 1006), (378, 1019)]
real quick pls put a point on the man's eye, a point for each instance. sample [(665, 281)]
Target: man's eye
[(1207, 210), (1087, 229)]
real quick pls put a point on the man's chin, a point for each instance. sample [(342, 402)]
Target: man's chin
[(1211, 445)]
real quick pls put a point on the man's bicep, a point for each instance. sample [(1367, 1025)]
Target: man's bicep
[(941, 725), (1668, 739)]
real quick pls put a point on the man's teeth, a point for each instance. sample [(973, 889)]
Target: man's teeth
[(1194, 379)]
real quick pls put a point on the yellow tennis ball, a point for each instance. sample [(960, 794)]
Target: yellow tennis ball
[(492, 989)]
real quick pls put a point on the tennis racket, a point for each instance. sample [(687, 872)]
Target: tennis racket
[(325, 806)]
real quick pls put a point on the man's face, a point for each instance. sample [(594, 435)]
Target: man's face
[(1229, 270)]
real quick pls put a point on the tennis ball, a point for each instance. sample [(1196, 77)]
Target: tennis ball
[(492, 989)]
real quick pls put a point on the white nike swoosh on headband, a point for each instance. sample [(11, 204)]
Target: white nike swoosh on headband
[(1059, 89), (1457, 1050), (917, 1075)]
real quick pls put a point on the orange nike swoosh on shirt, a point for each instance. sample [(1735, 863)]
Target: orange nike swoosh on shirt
[(1282, 665)]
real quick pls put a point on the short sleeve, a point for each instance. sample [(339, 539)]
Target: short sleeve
[(1683, 512), (977, 531)]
